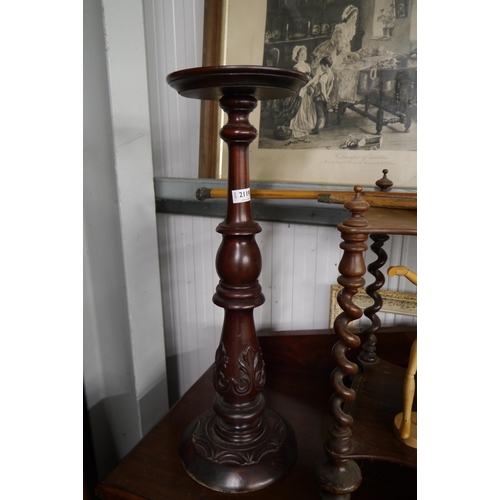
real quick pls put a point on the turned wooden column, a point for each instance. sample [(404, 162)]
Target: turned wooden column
[(339, 475), (239, 445)]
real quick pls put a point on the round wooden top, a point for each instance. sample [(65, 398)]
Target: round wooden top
[(212, 82)]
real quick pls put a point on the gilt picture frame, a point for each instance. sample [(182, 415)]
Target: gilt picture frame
[(239, 32)]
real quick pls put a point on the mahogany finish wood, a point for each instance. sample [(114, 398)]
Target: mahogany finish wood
[(258, 82), (368, 352), (339, 474), (239, 445), (298, 368)]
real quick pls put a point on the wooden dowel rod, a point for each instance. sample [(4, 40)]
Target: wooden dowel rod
[(403, 203), (206, 193)]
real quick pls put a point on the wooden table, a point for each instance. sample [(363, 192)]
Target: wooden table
[(298, 366), (374, 83)]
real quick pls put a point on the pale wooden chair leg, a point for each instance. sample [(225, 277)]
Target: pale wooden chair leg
[(409, 393), (405, 423)]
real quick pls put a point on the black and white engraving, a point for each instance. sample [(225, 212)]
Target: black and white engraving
[(362, 59)]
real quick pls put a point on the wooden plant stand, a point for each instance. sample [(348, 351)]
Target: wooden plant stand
[(239, 445)]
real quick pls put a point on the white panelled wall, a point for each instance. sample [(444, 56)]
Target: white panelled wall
[(300, 262), (124, 368), (174, 32)]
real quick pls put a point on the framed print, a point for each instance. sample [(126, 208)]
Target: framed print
[(355, 117)]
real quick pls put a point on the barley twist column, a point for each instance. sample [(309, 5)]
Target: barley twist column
[(368, 354), (339, 475)]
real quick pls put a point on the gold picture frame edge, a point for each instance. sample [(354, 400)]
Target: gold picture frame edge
[(214, 39), (403, 303)]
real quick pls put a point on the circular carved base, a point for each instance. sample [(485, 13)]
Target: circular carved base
[(238, 467)]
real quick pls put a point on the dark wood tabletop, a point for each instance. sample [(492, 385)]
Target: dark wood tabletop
[(297, 387), (212, 82)]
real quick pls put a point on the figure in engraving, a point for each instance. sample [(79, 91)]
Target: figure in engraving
[(305, 119), (339, 46), (322, 83)]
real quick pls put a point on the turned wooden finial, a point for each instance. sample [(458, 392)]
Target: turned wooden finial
[(357, 206), (384, 183)]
